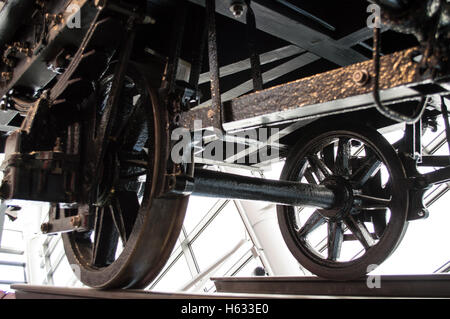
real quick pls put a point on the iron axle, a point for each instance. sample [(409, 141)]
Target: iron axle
[(225, 185)]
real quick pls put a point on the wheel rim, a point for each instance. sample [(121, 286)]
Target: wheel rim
[(134, 232), (342, 243)]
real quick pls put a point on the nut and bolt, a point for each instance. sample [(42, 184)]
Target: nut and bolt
[(24, 50), (45, 228), (361, 77), (148, 20), (6, 76), (237, 8), (56, 18), (75, 221), (9, 62), (100, 4)]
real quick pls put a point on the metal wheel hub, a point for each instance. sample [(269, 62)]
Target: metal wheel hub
[(344, 193)]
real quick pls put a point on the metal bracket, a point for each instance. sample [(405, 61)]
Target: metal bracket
[(61, 222)]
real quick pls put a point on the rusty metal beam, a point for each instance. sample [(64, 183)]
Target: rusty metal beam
[(332, 92)]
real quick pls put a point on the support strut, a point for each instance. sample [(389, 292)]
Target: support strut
[(224, 185)]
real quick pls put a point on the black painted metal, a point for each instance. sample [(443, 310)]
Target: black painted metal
[(177, 41), (11, 16), (198, 53), (439, 176), (306, 14), (254, 56), (225, 185), (435, 161), (394, 4), (446, 122), (296, 33)]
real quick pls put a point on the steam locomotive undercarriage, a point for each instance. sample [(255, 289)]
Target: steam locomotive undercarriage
[(104, 92)]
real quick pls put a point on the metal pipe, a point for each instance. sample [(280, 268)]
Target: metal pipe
[(224, 185)]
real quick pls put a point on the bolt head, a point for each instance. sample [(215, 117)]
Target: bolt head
[(361, 77), (76, 221), (100, 4), (237, 8), (45, 228), (6, 76)]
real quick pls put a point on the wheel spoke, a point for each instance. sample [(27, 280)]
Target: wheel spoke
[(319, 167), (313, 175), (377, 216), (328, 156), (360, 231), (343, 157), (119, 223), (367, 169), (303, 167), (309, 176), (335, 239), (137, 163), (134, 159), (372, 203), (105, 238), (313, 222), (121, 131), (125, 211), (132, 176)]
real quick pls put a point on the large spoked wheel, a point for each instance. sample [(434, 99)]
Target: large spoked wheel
[(347, 242), (134, 231)]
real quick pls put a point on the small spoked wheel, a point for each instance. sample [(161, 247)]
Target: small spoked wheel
[(348, 241), (133, 230)]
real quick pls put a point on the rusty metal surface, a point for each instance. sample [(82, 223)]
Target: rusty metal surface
[(216, 110), (401, 286), (35, 68), (396, 70), (334, 91)]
